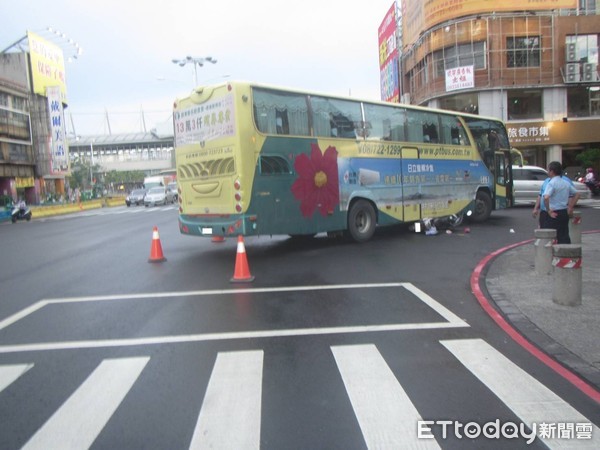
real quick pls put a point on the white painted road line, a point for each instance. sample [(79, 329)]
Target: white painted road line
[(530, 400), (450, 320), (387, 417), (158, 340), (230, 416), (77, 423), (10, 373)]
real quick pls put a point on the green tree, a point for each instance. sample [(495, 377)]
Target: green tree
[(590, 158), (81, 174)]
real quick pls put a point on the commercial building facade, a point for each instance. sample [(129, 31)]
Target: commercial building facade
[(34, 156), (533, 64)]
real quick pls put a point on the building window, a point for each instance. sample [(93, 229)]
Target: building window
[(583, 101), (525, 104), (523, 51), (19, 153), (470, 54), (468, 103), (586, 48)]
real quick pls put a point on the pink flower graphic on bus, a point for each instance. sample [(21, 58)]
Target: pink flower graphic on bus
[(317, 185)]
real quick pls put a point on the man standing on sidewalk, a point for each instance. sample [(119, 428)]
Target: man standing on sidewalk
[(560, 198)]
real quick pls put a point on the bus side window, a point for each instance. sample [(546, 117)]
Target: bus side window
[(281, 122), (386, 122), (416, 120), (452, 131), (278, 113), (335, 118), (431, 128)]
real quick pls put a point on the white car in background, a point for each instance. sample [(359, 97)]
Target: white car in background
[(172, 186), (158, 195), (528, 180)]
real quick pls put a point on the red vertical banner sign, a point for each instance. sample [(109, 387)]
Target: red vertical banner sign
[(388, 57)]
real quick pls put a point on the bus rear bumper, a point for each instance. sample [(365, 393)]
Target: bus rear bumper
[(217, 226)]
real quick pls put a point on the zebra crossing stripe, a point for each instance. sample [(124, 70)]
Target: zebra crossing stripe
[(77, 423), (10, 373), (387, 417), (530, 400), (231, 411)]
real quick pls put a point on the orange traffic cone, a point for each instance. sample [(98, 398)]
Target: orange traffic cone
[(156, 253), (242, 271)]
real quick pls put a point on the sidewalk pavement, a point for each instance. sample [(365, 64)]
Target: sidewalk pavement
[(569, 334)]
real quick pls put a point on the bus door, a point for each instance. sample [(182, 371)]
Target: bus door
[(411, 210), (272, 182), (503, 183)]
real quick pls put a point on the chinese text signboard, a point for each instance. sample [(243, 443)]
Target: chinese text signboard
[(211, 120), (47, 66), (459, 78), (59, 161)]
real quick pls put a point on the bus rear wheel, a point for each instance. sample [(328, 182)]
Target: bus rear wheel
[(361, 221), (483, 207)]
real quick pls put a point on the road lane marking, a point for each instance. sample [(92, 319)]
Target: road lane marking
[(186, 338), (21, 314), (451, 320), (10, 373), (77, 423), (385, 413), (530, 400), (231, 411)]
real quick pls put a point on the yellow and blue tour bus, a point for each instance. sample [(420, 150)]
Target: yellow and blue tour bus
[(253, 159)]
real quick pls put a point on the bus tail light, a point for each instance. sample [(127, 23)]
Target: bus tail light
[(237, 184)]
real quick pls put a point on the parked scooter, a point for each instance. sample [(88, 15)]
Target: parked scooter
[(21, 212)]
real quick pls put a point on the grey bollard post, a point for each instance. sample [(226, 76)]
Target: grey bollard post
[(566, 262), (575, 228), (544, 238)]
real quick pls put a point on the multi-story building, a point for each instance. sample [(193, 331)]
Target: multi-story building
[(34, 155), (17, 159), (532, 63)]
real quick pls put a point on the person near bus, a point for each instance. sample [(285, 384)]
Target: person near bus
[(560, 197), (540, 207)]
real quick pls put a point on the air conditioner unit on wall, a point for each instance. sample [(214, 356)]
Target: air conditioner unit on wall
[(590, 72), (571, 54), (573, 77), (572, 68)]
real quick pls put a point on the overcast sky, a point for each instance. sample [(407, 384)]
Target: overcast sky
[(328, 46)]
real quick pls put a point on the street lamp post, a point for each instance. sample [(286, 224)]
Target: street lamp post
[(196, 62), (92, 166)]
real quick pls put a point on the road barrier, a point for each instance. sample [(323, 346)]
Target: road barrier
[(575, 228), (566, 260), (67, 208), (544, 238)]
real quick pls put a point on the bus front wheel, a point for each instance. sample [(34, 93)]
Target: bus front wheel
[(483, 207), (361, 221)]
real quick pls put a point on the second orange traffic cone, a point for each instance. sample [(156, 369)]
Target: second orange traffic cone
[(242, 271), (156, 253)]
